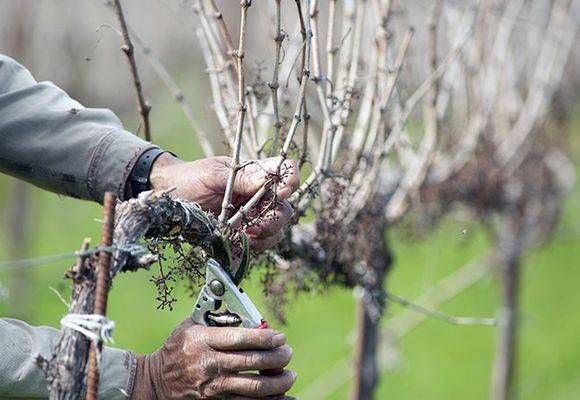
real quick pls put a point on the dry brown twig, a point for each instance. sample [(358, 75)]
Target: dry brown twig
[(242, 108), (224, 30), (274, 84), (219, 70), (177, 94), (171, 85), (128, 49), (219, 107), (297, 118)]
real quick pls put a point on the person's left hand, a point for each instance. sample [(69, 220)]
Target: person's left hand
[(201, 362), (204, 182)]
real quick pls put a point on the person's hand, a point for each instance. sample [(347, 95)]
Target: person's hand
[(198, 362), (204, 181)]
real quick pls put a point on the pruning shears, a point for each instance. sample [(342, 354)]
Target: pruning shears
[(220, 289)]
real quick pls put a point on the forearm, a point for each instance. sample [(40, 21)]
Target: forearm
[(54, 142), (21, 343)]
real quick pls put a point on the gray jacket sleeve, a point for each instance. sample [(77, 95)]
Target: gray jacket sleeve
[(52, 141), (20, 378)]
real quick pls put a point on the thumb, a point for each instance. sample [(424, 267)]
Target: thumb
[(253, 176)]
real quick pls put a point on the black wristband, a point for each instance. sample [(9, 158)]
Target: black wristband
[(139, 178)]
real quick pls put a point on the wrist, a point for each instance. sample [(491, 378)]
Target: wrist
[(140, 177), (160, 175)]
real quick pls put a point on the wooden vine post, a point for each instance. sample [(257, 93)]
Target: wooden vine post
[(65, 370)]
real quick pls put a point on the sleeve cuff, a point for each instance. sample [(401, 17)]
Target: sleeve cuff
[(118, 374), (112, 162)]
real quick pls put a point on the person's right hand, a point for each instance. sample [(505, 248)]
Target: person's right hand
[(198, 362), (204, 181)]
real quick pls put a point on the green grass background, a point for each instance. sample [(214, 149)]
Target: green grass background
[(438, 360)]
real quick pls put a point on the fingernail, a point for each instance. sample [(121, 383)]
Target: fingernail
[(278, 340), (284, 193)]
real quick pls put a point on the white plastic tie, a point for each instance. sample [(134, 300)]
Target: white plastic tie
[(93, 326)]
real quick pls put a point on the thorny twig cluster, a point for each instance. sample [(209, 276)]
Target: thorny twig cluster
[(161, 223)]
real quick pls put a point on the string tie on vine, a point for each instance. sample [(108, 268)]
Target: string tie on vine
[(94, 327)]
